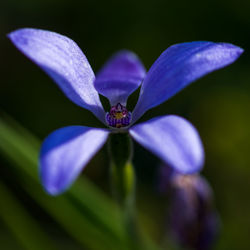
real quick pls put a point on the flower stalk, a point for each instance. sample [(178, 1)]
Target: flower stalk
[(123, 182), (122, 172)]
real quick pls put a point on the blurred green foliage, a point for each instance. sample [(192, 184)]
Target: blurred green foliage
[(91, 218), (218, 105)]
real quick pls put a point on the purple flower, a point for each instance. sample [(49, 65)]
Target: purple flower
[(66, 151), (194, 222)]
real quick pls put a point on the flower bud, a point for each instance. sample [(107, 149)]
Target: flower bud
[(193, 220)]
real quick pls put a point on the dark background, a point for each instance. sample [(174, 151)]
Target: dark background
[(218, 105)]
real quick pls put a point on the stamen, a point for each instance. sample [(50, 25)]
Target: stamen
[(118, 116)]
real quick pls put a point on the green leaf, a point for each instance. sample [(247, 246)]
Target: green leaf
[(21, 224)]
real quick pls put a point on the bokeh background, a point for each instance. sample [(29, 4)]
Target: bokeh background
[(218, 105)]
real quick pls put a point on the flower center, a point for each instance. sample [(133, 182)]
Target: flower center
[(118, 116)]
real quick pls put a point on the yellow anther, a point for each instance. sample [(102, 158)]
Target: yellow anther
[(119, 115)]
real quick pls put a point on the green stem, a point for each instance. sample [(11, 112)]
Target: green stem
[(122, 172), (123, 181)]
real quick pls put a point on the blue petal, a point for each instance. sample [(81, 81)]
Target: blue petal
[(65, 153), (180, 65), (63, 61), (119, 77), (174, 140)]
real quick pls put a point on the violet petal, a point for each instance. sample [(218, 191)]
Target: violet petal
[(64, 154), (119, 77), (62, 60), (174, 140), (180, 65)]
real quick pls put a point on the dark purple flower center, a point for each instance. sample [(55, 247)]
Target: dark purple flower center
[(118, 116)]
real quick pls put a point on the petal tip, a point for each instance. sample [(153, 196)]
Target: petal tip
[(234, 51), (195, 167), (52, 191), (239, 50), (13, 35)]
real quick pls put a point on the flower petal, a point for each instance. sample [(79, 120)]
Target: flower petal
[(180, 65), (65, 153), (63, 61), (174, 140), (121, 76)]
